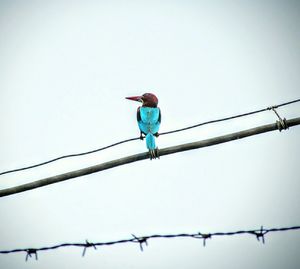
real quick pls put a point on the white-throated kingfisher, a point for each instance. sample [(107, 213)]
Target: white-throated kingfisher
[(149, 119)]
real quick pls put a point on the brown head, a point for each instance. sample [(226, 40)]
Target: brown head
[(147, 99)]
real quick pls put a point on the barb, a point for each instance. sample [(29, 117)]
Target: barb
[(29, 252), (163, 133), (260, 233), (204, 237), (140, 240), (87, 245)]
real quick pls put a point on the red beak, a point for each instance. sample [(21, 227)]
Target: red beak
[(135, 98)]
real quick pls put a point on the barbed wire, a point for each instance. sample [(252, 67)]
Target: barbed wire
[(138, 138), (143, 240)]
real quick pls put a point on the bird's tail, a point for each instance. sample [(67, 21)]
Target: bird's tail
[(150, 141)]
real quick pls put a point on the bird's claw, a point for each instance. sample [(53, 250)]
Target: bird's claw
[(142, 137), (154, 153), (156, 135)]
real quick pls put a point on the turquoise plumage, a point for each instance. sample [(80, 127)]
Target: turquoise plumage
[(149, 123), (149, 119)]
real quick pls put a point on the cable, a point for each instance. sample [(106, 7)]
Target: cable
[(137, 138), (143, 240), (230, 118), (145, 155), (68, 156)]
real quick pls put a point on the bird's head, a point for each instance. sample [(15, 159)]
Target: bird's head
[(147, 99)]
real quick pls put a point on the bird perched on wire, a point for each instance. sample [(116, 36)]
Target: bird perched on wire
[(149, 119)]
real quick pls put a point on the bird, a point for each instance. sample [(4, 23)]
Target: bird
[(149, 119)]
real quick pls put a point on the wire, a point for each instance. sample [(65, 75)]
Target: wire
[(285, 124), (143, 240), (68, 156), (230, 118), (137, 138)]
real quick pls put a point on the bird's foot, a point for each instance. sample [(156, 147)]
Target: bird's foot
[(142, 137), (154, 153), (156, 135)]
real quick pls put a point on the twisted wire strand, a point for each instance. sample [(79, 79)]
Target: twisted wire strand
[(143, 240)]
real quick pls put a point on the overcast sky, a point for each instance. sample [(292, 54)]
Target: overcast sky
[(65, 68)]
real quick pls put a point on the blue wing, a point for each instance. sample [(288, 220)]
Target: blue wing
[(149, 119)]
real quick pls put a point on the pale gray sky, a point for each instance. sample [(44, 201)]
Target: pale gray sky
[(65, 69)]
